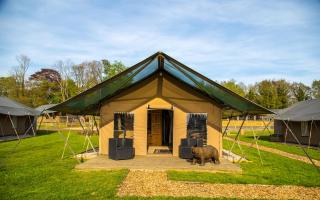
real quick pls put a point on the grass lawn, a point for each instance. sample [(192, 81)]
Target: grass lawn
[(35, 171), (290, 148), (276, 170)]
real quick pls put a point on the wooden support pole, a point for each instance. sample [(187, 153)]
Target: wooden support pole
[(295, 137), (2, 133), (31, 124), (66, 143), (96, 124), (81, 123), (236, 139), (15, 130), (255, 140), (40, 122), (225, 130), (310, 134), (266, 126)]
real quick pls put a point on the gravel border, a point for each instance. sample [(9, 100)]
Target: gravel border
[(156, 183)]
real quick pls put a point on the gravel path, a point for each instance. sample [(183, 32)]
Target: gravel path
[(155, 183), (279, 152)]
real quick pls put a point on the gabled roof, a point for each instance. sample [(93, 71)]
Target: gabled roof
[(89, 101), (8, 106), (302, 111)]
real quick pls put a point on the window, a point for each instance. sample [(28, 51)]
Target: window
[(304, 129), (197, 126), (123, 125)]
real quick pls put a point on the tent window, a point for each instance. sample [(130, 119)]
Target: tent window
[(123, 125), (197, 125), (304, 129)]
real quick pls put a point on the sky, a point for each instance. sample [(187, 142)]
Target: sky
[(243, 40)]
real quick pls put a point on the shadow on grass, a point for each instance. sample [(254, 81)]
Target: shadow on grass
[(45, 132), (262, 137)]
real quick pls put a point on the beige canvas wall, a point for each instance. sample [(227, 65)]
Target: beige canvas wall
[(171, 95), (21, 124)]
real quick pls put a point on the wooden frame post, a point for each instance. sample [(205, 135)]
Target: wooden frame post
[(226, 128), (266, 126), (66, 143), (31, 124), (236, 139), (297, 140), (310, 134)]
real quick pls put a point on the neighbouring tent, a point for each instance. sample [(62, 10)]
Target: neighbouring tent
[(303, 119), (16, 118), (302, 111)]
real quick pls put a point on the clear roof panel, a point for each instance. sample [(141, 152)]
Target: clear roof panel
[(89, 101)]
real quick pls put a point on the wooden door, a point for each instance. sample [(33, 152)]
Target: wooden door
[(156, 128)]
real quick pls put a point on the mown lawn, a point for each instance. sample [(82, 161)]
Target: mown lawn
[(290, 148), (276, 170), (35, 171)]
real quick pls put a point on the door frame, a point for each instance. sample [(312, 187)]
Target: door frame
[(148, 125)]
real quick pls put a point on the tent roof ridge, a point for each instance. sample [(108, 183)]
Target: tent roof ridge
[(146, 67)]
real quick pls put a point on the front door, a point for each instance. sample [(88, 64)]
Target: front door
[(155, 129)]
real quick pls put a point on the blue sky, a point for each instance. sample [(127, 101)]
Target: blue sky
[(244, 40)]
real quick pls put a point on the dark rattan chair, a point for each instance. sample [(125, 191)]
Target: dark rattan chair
[(121, 148), (185, 148)]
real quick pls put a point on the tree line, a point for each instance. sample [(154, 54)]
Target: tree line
[(65, 79), (56, 83), (275, 94)]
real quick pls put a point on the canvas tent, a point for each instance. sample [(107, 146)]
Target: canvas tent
[(16, 118), (154, 90), (303, 118)]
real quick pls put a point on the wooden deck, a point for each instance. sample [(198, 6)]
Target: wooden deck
[(156, 163)]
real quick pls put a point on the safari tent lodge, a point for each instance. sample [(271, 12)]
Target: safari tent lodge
[(302, 120), (16, 118), (157, 103)]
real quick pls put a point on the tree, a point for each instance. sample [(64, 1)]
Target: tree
[(44, 87), (233, 86), (19, 72), (267, 94), (316, 89), (111, 69), (300, 91), (87, 74), (283, 93), (96, 71), (64, 69), (8, 87), (47, 74), (252, 93)]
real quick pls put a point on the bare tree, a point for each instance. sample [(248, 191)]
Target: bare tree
[(79, 75), (19, 72), (96, 72), (87, 74), (64, 69)]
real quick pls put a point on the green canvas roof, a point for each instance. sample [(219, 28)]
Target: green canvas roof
[(89, 101)]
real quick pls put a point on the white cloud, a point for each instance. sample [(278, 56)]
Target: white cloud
[(220, 39)]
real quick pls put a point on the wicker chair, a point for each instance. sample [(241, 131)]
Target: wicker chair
[(121, 149), (185, 148)]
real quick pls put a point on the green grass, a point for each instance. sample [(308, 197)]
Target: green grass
[(276, 170), (35, 171), (313, 152)]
